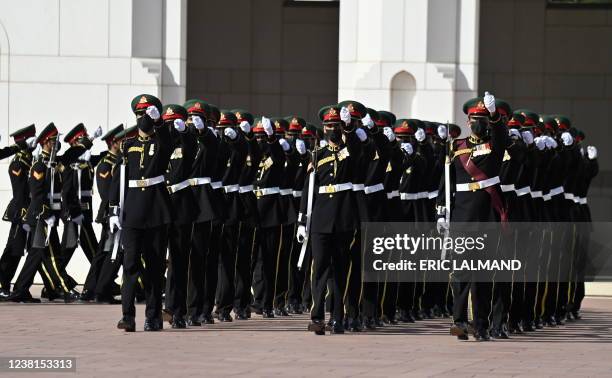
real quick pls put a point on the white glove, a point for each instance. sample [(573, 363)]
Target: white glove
[(367, 121), (50, 221), (514, 134), (197, 122), (97, 133), (527, 137), (267, 126), (230, 133), (78, 220), (245, 127), (37, 151), (322, 143), (407, 147), (214, 131), (152, 112), (114, 224), (86, 156), (567, 139), (389, 133), (540, 143), (489, 101), (582, 151), (550, 142), (31, 142), (361, 135), (442, 225), (284, 144), (345, 115), (26, 227), (301, 234), (179, 125), (420, 135), (300, 146), (592, 152), (442, 132)]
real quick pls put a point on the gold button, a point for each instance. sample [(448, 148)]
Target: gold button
[(143, 189)]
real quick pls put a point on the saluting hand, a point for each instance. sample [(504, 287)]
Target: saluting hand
[(153, 112), (489, 102)]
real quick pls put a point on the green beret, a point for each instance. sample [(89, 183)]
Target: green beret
[(454, 131), (563, 123), (280, 124), (214, 113), (357, 110), (174, 111), (141, 102), (530, 118), (24, 133), (130, 132), (517, 120), (196, 107), (243, 115), (387, 117), (50, 131), (549, 122)]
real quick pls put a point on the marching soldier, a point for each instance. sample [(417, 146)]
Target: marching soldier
[(333, 220), (42, 214), (146, 211), (19, 167), (178, 181), (476, 162)]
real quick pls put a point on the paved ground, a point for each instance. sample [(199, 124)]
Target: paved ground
[(260, 347)]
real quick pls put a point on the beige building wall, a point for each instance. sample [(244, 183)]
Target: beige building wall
[(264, 56), (554, 61)]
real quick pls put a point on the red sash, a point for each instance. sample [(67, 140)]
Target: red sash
[(477, 174)]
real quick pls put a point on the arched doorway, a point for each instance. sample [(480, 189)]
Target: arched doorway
[(403, 90)]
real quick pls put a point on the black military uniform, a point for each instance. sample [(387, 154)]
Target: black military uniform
[(178, 181), (146, 212), (333, 219), (42, 214), (103, 164), (18, 172), (475, 166)]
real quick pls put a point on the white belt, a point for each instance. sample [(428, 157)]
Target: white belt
[(180, 186), (582, 201), (56, 206), (507, 188), (266, 191), (146, 182), (536, 193), (297, 193), (432, 195), (474, 186), (216, 184), (196, 181), (523, 191), (286, 192), (86, 193), (409, 196), (358, 187), (569, 196), (546, 197), (246, 189), (55, 196), (231, 188), (393, 194), (373, 188), (422, 195), (554, 191), (335, 188)]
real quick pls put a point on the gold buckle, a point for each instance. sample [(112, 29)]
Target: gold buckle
[(258, 193), (474, 186), (141, 183), (330, 189)]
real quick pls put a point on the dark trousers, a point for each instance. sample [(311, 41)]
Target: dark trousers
[(354, 277), (296, 276), (463, 285), (150, 245), (282, 265), (227, 268), (200, 241), (329, 259), (179, 246), (211, 273), (44, 260), (88, 243), (97, 262), (502, 295), (15, 246), (268, 241), (307, 285), (244, 257)]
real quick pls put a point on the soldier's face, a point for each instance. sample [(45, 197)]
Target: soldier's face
[(478, 125)]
